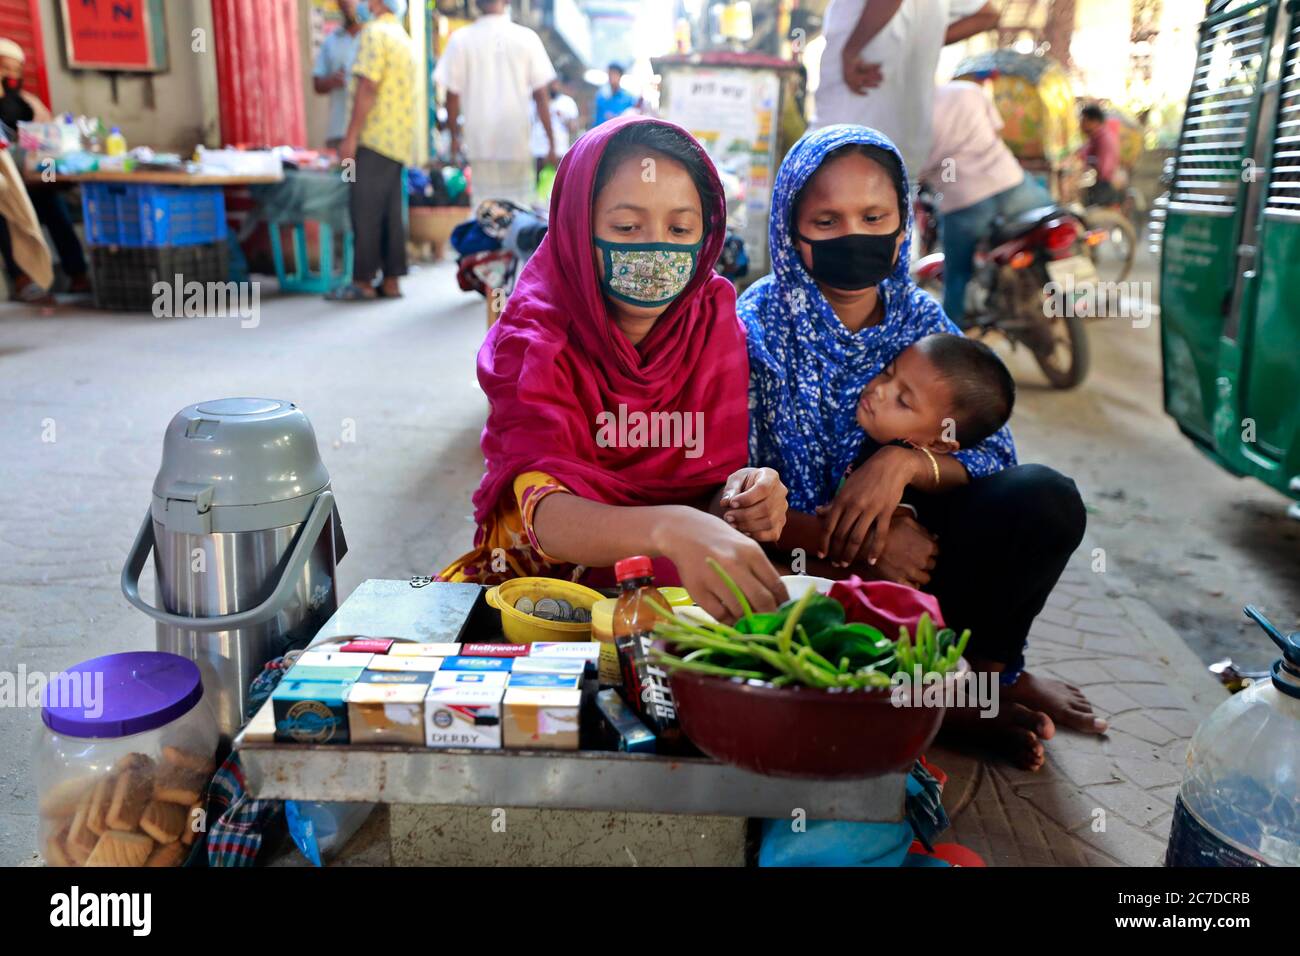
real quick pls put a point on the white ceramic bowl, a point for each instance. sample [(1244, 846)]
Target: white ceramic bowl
[(797, 584)]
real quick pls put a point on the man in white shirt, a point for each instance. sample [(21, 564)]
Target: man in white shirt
[(564, 124), (332, 75), (491, 70), (879, 63)]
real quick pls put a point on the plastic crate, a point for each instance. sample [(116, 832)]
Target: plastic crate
[(142, 215), (124, 277)]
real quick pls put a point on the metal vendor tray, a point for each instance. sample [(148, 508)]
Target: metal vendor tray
[(562, 780)]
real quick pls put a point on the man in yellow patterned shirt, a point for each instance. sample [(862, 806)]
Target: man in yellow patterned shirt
[(380, 141)]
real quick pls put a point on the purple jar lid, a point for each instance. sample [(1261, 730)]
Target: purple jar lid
[(121, 694)]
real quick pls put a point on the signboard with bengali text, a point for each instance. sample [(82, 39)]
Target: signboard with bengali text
[(126, 35)]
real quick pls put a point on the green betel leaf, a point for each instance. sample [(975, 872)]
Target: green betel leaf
[(820, 614), (768, 623)]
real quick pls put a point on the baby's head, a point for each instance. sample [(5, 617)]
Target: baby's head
[(944, 392)]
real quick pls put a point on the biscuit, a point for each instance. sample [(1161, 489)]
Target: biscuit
[(99, 798), (178, 785), (54, 852), (116, 848), (130, 796), (171, 854), (163, 821), (194, 815), (63, 799), (190, 761), (80, 838)]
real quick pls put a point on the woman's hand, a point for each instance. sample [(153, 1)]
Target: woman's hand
[(910, 552), (865, 506), (689, 537), (753, 501)]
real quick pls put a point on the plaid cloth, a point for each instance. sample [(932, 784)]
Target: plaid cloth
[(924, 804), (235, 838)]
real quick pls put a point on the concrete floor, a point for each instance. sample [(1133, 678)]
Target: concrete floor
[(403, 373)]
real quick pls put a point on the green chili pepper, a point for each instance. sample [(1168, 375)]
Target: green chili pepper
[(731, 586)]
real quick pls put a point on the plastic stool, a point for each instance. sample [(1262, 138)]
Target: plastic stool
[(303, 278)]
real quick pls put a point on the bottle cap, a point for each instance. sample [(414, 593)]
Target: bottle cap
[(635, 567)]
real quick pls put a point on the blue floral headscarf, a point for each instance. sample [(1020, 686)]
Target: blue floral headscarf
[(806, 369)]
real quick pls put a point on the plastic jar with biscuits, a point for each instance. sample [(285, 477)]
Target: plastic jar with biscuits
[(123, 761)]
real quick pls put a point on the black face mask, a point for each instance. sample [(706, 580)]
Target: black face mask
[(13, 86), (854, 262)]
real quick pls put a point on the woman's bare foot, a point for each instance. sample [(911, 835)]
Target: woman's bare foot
[(1017, 732), (1064, 703)]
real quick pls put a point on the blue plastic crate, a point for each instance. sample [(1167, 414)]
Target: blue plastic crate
[(140, 215)]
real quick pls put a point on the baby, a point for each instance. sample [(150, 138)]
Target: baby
[(942, 393)]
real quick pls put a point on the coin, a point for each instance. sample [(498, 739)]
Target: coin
[(582, 615), (566, 610), (547, 608), (524, 605)]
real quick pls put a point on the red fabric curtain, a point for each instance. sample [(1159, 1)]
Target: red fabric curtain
[(259, 72)]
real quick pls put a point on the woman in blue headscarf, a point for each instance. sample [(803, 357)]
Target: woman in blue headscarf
[(988, 537)]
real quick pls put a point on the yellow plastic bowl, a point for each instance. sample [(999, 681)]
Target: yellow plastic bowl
[(521, 628)]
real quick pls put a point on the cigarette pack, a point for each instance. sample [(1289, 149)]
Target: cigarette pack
[(387, 713), (483, 664), (396, 677), (311, 712), (454, 678), (426, 665), (541, 718), (310, 658), (545, 681), (586, 651), (463, 709), (405, 649), (547, 665), (368, 645), (494, 650), (622, 728), (328, 674), (583, 650)]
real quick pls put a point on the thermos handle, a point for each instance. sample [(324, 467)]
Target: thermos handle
[(321, 512)]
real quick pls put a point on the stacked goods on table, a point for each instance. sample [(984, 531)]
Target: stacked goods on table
[(141, 234), (482, 696), (123, 761)]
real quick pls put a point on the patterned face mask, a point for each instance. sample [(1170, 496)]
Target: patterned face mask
[(647, 273)]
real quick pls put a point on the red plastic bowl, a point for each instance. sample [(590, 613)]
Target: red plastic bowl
[(802, 731)]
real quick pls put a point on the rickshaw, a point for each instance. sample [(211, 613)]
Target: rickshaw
[(1038, 106), (1230, 319)]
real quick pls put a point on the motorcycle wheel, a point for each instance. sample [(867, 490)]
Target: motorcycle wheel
[(1113, 258), (1060, 344)]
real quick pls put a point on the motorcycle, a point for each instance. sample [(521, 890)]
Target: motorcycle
[(1030, 282)]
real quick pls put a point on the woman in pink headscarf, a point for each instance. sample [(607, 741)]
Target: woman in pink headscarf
[(618, 384)]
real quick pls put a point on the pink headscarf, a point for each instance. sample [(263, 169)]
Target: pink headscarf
[(555, 360)]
